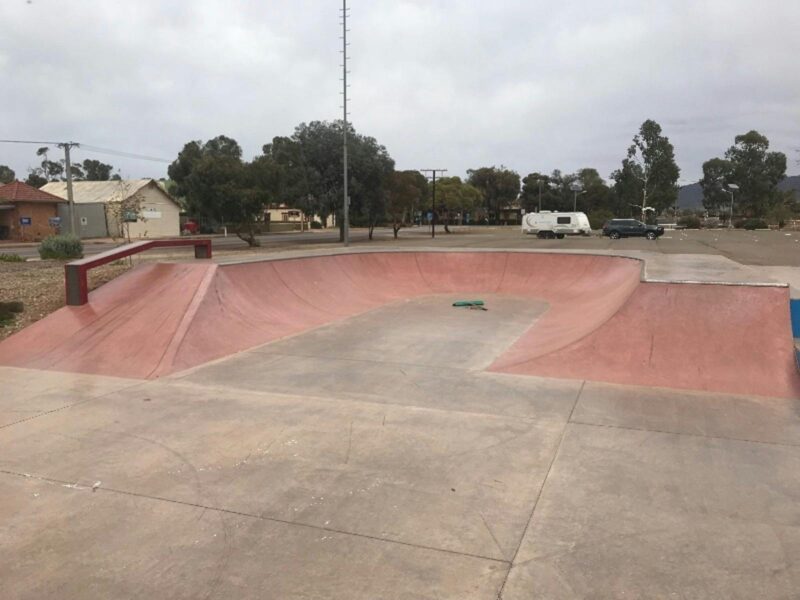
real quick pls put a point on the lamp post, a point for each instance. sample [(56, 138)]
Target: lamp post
[(539, 181), (731, 188), (576, 187)]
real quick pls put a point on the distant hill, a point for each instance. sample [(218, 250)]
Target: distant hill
[(691, 196)]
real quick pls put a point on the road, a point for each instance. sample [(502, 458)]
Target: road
[(758, 248), (219, 242)]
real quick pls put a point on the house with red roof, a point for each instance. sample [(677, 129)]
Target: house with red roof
[(27, 214)]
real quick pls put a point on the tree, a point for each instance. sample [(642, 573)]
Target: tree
[(312, 163), (405, 193), (456, 198), (220, 187), (649, 173), (500, 188), (51, 170), (750, 166), (35, 179), (597, 194), (94, 170), (714, 183), (7, 174), (125, 208)]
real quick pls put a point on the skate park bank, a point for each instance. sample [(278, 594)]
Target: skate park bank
[(331, 426)]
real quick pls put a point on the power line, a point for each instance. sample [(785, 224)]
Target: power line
[(27, 142), (94, 149), (122, 153)]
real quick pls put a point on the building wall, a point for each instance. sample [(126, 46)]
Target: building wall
[(90, 219), (39, 213), (159, 216)]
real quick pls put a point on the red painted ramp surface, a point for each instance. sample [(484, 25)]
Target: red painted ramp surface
[(602, 323), (718, 338)]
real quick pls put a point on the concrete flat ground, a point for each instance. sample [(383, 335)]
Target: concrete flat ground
[(375, 458)]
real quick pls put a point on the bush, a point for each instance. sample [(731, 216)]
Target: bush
[(61, 246), (689, 222), (8, 310), (316, 225), (598, 218), (11, 258), (751, 224)]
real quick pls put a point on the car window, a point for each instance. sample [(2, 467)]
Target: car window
[(563, 220)]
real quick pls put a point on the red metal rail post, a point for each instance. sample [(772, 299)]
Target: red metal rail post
[(75, 272)]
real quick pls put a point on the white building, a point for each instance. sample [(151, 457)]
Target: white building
[(135, 208)]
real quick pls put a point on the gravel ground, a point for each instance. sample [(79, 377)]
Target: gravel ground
[(40, 287)]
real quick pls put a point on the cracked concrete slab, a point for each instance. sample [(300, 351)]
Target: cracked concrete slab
[(446, 479), (27, 393), (67, 543), (641, 514), (769, 420)]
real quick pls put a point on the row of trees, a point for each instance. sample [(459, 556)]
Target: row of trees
[(304, 170), (55, 170), (750, 173)]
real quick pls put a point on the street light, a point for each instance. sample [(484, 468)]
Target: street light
[(576, 187), (539, 181), (731, 188)]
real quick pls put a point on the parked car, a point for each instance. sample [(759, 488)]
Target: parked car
[(190, 227), (549, 225), (619, 228)]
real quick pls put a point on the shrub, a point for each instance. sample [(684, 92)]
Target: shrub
[(689, 222), (751, 224), (598, 218), (316, 225), (61, 246), (11, 258), (8, 310)]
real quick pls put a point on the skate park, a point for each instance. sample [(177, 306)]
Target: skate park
[(325, 423)]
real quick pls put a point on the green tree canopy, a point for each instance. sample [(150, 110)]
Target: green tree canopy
[(405, 193), (218, 185), (649, 173), (499, 186), (7, 174), (94, 170), (312, 161), (456, 198), (749, 165)]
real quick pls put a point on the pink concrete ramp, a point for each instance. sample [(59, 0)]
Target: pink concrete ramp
[(602, 323)]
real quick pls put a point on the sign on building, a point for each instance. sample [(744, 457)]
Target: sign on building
[(25, 221)]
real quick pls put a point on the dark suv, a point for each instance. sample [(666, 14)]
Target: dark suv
[(618, 228)]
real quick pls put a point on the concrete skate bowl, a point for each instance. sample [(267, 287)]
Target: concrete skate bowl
[(602, 322)]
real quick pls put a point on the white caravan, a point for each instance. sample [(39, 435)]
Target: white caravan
[(550, 225)]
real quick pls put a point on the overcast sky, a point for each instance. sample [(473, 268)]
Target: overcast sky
[(530, 85)]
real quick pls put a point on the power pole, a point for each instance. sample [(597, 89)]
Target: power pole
[(433, 197), (540, 194), (73, 228), (346, 203)]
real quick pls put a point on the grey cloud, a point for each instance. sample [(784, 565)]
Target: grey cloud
[(532, 85)]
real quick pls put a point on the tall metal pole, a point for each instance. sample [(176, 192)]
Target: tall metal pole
[(433, 207), (433, 197), (346, 203), (540, 195), (73, 228)]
